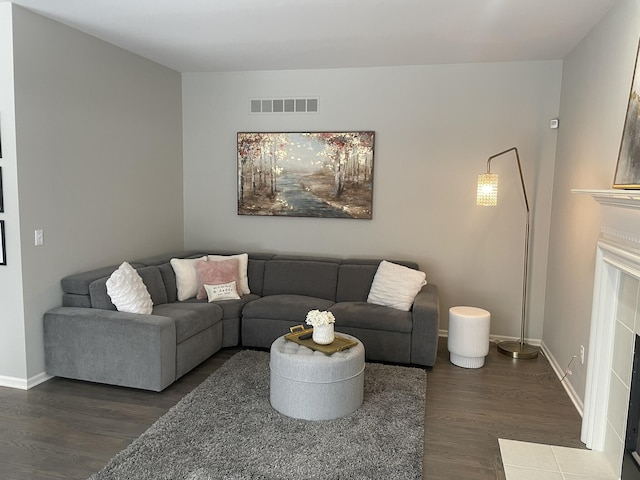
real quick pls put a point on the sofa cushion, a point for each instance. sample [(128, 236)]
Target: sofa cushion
[(128, 292), (224, 291), (396, 286), (243, 263), (169, 279), (372, 317), (354, 282), (255, 274), (284, 307), (186, 276), (356, 276), (74, 300), (216, 272), (301, 277), (150, 276), (230, 308), (190, 318)]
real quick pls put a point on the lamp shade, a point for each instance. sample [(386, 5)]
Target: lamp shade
[(487, 190)]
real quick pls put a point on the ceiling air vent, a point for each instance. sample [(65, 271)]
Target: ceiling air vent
[(284, 105)]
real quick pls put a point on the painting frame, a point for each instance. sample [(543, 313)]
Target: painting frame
[(319, 174), (627, 174), (1, 193), (3, 245)]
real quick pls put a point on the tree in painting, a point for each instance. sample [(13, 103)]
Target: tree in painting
[(320, 174)]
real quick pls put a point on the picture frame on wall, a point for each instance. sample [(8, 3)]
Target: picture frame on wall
[(3, 250), (627, 174), (1, 193), (306, 174)]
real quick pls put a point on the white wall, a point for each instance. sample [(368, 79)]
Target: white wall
[(13, 359), (595, 90), (99, 169), (435, 127)]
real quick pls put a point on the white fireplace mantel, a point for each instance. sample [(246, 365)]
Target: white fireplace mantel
[(620, 216), (612, 333), (620, 198)]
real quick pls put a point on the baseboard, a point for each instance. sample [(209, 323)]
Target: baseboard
[(24, 384), (559, 371), (38, 379), (501, 338)]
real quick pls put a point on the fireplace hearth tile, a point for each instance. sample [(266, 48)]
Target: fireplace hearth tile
[(529, 461)]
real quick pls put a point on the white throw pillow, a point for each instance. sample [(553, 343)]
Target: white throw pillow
[(186, 276), (224, 291), (243, 281), (128, 292), (396, 286)]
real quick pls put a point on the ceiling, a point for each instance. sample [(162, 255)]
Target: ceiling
[(242, 35)]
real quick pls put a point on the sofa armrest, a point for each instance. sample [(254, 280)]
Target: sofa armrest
[(106, 346), (426, 321)]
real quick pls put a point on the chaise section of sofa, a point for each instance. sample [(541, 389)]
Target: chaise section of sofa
[(97, 343), (103, 346)]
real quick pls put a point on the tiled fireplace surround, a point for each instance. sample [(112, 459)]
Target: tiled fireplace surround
[(614, 324)]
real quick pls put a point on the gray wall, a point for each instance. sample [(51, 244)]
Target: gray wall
[(13, 359), (595, 90), (98, 163), (435, 127)]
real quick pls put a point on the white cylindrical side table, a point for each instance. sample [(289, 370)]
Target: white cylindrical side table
[(468, 340)]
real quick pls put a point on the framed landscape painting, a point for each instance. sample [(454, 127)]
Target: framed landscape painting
[(313, 174), (628, 168)]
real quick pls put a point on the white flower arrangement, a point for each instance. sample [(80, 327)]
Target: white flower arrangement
[(316, 318)]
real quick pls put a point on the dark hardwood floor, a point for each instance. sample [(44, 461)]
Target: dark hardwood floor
[(66, 429), (468, 410)]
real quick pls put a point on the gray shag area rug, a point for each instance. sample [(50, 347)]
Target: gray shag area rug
[(226, 429)]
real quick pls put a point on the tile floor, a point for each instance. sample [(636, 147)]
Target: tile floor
[(534, 461)]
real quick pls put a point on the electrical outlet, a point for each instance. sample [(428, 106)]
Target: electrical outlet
[(582, 354), (39, 238)]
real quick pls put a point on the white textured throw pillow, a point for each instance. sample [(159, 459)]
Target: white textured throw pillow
[(186, 276), (396, 286), (243, 280), (225, 291), (128, 292)]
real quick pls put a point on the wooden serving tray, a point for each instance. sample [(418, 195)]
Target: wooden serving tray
[(338, 344)]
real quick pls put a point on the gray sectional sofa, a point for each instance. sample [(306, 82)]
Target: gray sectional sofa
[(88, 339)]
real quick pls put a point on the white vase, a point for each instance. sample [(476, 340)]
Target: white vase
[(323, 334)]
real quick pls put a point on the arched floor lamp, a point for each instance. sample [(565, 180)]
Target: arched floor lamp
[(488, 196)]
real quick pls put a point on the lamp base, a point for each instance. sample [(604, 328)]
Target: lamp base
[(518, 350)]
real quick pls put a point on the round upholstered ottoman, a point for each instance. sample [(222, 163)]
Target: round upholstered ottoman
[(468, 340), (310, 385)]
